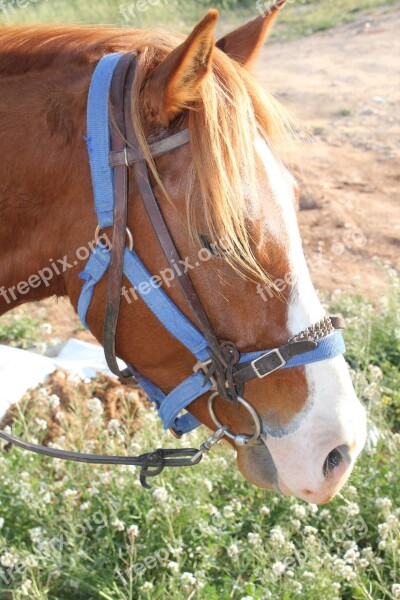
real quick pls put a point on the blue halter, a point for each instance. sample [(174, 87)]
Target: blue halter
[(169, 406)]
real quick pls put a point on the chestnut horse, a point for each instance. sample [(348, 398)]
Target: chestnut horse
[(226, 184)]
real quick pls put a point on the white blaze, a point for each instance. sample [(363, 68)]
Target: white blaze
[(332, 415)]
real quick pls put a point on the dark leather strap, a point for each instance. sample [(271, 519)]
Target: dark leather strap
[(125, 70), (271, 361), (164, 237), (157, 148), (151, 463)]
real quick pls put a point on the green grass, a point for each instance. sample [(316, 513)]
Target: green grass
[(19, 331), (300, 17), (79, 532)]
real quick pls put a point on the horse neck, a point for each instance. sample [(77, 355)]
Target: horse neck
[(41, 194)]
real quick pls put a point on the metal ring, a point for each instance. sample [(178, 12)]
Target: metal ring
[(129, 235), (240, 439)]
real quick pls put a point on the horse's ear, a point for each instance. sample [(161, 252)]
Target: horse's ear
[(175, 81), (244, 44)]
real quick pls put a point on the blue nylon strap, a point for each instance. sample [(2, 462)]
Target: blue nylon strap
[(179, 398), (182, 424), (154, 297), (94, 270), (163, 308), (98, 138), (184, 394)]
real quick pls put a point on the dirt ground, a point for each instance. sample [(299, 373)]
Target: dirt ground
[(344, 86)]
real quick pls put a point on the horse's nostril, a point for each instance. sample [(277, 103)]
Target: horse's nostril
[(333, 460)]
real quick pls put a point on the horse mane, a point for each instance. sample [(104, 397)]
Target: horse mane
[(231, 111)]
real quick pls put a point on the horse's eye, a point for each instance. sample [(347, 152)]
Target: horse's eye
[(214, 247)]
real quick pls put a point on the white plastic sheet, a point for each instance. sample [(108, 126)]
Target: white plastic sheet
[(21, 369)]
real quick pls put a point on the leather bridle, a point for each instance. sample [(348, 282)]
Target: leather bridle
[(220, 368)]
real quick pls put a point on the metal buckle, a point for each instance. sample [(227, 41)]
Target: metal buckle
[(278, 354), (202, 366)]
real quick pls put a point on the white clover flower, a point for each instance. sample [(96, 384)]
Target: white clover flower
[(8, 559), (375, 371), (233, 551), (313, 508), (208, 484), (396, 590), (382, 545), (105, 477), (348, 573), (85, 505), (295, 523), (299, 510), (351, 555), (247, 598), (26, 587), (264, 510), (236, 504), (60, 417), (363, 563), (133, 531), (46, 498), (114, 425), (147, 586), (308, 575), (368, 553), (54, 401), (278, 568), (228, 511), (277, 536), (176, 551), (93, 490), (392, 520), (118, 524), (308, 530), (160, 494), (70, 494), (297, 586), (352, 490), (41, 423), (353, 509), (1, 522), (36, 535), (95, 407), (383, 529), (254, 539), (383, 503), (173, 566), (188, 580)]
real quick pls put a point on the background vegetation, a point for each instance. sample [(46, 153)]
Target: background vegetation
[(77, 532), (299, 17)]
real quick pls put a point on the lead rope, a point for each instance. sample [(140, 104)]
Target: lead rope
[(151, 463)]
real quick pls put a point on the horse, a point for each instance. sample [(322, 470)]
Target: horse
[(227, 191)]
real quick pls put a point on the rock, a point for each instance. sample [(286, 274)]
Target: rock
[(307, 201)]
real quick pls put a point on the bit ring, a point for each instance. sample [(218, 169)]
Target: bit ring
[(239, 439)]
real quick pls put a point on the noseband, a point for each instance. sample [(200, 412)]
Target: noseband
[(220, 368)]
